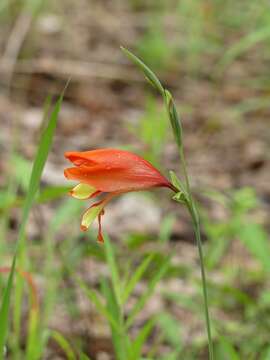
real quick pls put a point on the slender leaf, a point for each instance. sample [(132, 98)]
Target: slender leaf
[(33, 347), (171, 329), (225, 350), (113, 268), (64, 344), (174, 118), (135, 278), (151, 77), (247, 42), (83, 356), (137, 344), (145, 297), (257, 242), (120, 340), (39, 162), (95, 299), (266, 354)]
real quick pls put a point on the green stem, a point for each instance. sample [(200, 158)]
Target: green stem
[(177, 130), (196, 226), (183, 162), (185, 189)]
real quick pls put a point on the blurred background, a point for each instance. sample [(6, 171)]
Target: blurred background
[(214, 56)]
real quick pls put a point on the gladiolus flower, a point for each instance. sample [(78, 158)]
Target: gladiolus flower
[(110, 172)]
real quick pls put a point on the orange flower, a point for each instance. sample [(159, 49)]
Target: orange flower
[(112, 172)]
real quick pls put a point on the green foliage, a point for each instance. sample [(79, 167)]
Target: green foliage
[(200, 29), (238, 225), (187, 194), (149, 74), (115, 293), (64, 345), (225, 351), (205, 32), (171, 330), (134, 279), (38, 165)]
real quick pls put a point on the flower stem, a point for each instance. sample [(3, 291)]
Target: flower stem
[(178, 133), (196, 225), (185, 188)]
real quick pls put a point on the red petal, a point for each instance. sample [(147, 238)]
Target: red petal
[(116, 170), (77, 159), (111, 180)]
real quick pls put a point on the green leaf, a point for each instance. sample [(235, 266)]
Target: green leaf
[(174, 118), (216, 249), (151, 77), (246, 42), (83, 356), (266, 354), (138, 342), (52, 193), (96, 300), (22, 170), (39, 162), (33, 347), (171, 329), (110, 257), (120, 340), (256, 241), (135, 278), (67, 211), (64, 344), (8, 200), (145, 297), (225, 351)]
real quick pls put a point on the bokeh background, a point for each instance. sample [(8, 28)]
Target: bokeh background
[(214, 56)]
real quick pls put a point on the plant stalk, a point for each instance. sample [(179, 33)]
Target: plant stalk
[(196, 227), (185, 188), (176, 123), (194, 215)]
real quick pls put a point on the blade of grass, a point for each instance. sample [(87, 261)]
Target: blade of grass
[(140, 339), (39, 162), (83, 356), (120, 341), (33, 346), (135, 278), (244, 44), (150, 76), (64, 344), (151, 287), (96, 300), (172, 331), (110, 257)]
